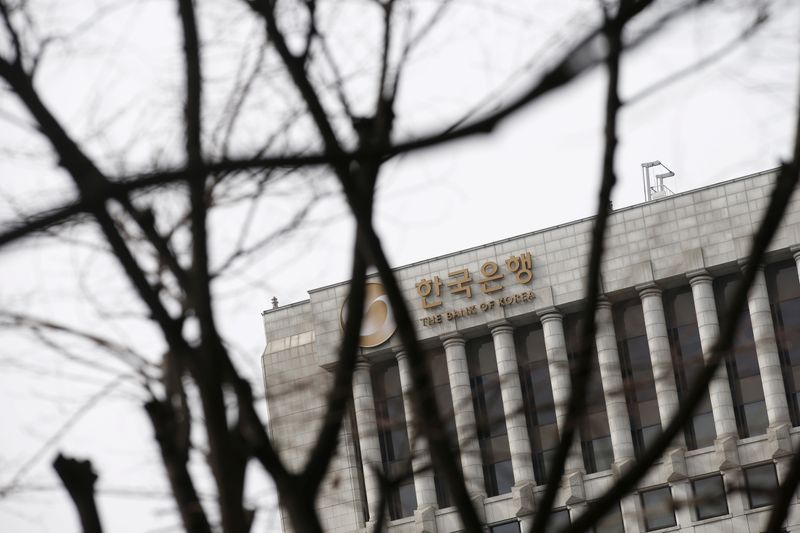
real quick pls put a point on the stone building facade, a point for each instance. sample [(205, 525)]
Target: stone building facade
[(498, 324)]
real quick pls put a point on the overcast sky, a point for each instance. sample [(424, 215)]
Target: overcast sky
[(539, 169)]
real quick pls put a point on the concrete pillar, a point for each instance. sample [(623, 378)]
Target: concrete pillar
[(719, 389), (629, 507), (796, 254), (560, 381), (513, 404), (769, 363), (364, 404), (464, 413), (619, 423), (660, 355), (424, 486)]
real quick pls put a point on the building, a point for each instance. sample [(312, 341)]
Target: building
[(498, 322)]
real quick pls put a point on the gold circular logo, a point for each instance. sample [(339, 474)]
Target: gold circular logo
[(378, 324)]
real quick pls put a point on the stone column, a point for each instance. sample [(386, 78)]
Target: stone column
[(660, 355), (513, 404), (424, 486), (629, 507), (560, 381), (364, 404), (796, 255), (769, 363), (719, 389), (619, 423), (464, 413)]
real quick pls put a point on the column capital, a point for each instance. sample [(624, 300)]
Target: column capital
[(362, 363), (500, 326), (795, 252), (603, 302), (452, 339), (648, 289), (699, 276), (550, 313), (400, 353)]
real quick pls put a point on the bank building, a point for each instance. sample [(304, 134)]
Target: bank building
[(498, 324)]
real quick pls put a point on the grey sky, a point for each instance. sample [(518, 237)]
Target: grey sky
[(117, 88)]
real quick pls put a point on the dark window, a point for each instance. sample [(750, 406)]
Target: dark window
[(709, 497), (362, 489), (489, 416), (659, 511), (610, 522), (537, 393), (762, 484), (559, 520), (507, 527), (393, 437), (637, 373), (598, 454), (784, 297), (687, 360), (742, 364), (444, 401)]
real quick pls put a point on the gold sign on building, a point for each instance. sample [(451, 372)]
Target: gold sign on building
[(378, 324), (430, 290), (460, 282)]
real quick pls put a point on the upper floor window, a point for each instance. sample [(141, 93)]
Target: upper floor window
[(784, 297), (742, 365), (393, 437), (637, 373), (687, 360), (537, 391), (444, 401), (489, 416), (598, 454)]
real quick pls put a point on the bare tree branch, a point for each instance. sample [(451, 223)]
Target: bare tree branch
[(79, 478)]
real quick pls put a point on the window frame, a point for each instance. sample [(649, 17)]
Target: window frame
[(686, 365), (599, 522), (486, 386), (638, 377), (724, 494), (748, 487), (491, 527), (642, 493)]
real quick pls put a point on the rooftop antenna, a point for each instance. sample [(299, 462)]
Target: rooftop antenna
[(654, 191)]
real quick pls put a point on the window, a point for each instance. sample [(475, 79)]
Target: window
[(444, 401), (362, 488), (489, 416), (784, 297), (742, 364), (610, 522), (659, 511), (393, 437), (559, 520), (598, 454), (762, 483), (537, 393), (507, 527), (687, 360), (710, 499), (637, 373)]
